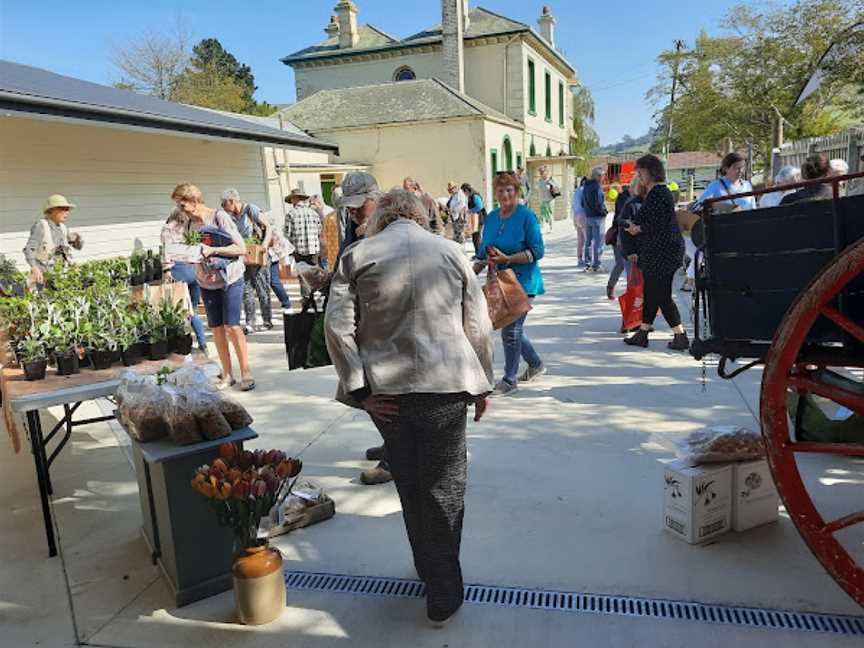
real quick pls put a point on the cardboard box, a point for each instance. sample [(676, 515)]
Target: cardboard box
[(697, 502), (754, 496)]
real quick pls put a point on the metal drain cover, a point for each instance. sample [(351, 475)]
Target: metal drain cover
[(518, 597)]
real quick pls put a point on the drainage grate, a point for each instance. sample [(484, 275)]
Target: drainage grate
[(587, 603)]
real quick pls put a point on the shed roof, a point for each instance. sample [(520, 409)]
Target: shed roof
[(693, 159), (33, 90), (386, 103)]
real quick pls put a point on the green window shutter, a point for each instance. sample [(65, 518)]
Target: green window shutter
[(519, 160), (561, 104), (547, 83), (533, 150), (532, 89)]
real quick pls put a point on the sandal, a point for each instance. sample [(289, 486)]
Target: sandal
[(224, 384), (247, 384)]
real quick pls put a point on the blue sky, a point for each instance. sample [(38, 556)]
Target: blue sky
[(614, 53)]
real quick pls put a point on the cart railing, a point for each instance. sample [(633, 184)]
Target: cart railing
[(755, 341)]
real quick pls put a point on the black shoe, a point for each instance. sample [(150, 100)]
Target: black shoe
[(639, 338), (680, 342), (375, 454), (268, 326)]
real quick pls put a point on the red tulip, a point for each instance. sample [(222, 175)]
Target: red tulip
[(234, 475), (296, 467), (278, 457), (246, 459), (259, 457), (259, 488), (240, 490), (228, 451), (220, 465)]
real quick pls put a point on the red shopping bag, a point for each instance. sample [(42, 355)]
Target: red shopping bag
[(631, 301)]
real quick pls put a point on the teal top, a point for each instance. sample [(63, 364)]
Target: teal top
[(517, 233)]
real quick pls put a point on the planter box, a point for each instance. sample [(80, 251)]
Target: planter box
[(193, 552)]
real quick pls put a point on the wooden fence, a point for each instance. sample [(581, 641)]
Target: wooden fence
[(847, 145)]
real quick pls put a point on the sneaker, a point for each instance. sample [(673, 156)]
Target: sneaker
[(610, 292), (531, 373), (247, 384), (680, 342), (287, 311), (639, 338), (248, 330), (503, 388), (377, 475), (375, 454)]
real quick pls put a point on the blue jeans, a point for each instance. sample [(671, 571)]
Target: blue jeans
[(185, 273), (594, 236), (517, 346), (621, 265), (276, 285)]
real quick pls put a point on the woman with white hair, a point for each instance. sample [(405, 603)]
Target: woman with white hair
[(457, 210), (409, 334), (787, 175)]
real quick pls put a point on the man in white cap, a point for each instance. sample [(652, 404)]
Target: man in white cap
[(50, 239), (360, 195)]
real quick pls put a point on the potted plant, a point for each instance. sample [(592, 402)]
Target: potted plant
[(175, 320), (102, 347), (34, 359), (137, 264), (242, 487), (157, 336), (128, 339)]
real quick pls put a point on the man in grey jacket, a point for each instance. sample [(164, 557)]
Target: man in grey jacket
[(408, 331)]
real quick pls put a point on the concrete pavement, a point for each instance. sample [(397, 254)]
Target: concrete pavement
[(565, 492)]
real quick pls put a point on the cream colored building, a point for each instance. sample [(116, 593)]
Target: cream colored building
[(492, 94), (118, 155)]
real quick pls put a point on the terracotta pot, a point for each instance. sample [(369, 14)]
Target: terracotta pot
[(259, 585)]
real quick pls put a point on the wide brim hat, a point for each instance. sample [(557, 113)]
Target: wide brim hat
[(297, 193), (56, 201)]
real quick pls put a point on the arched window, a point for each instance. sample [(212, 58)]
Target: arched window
[(507, 148), (404, 73)]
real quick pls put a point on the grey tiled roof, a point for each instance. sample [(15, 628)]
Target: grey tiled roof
[(482, 23), (33, 90), (386, 103)]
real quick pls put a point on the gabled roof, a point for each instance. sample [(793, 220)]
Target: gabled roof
[(36, 91), (482, 23), (370, 37), (386, 103)]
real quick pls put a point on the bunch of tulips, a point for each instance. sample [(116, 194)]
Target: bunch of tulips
[(242, 486)]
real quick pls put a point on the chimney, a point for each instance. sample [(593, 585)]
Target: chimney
[(453, 28), (346, 11), (332, 28), (547, 25)]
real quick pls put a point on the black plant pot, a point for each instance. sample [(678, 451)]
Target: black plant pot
[(67, 364), (101, 359), (35, 369), (158, 350), (137, 279), (131, 356), (183, 344)]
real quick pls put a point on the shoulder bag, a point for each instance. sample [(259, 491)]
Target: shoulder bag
[(505, 297)]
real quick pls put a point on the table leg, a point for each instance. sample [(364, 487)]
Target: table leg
[(34, 427)]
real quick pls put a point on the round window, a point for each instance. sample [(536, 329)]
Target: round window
[(404, 74)]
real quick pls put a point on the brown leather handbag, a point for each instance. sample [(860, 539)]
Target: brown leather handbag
[(505, 297)]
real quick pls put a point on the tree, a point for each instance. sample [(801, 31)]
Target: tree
[(738, 84), (585, 138), (153, 62), (210, 55), (211, 88)]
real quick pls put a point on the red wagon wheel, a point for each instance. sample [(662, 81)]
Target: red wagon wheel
[(783, 372)]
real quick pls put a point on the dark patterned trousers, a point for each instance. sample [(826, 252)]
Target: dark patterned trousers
[(426, 450), (256, 284)]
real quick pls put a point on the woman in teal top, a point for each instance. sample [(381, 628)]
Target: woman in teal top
[(512, 239)]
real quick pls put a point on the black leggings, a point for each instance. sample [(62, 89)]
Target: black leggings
[(658, 294)]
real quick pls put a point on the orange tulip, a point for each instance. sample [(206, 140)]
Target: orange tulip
[(234, 475), (228, 451), (223, 491)]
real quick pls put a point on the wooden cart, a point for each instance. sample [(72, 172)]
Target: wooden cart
[(783, 287)]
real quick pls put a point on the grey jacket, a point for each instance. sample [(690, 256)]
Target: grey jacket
[(406, 314)]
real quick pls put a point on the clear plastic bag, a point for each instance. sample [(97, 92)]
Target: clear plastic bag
[(141, 407), (236, 415), (182, 423), (204, 406), (719, 444)]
